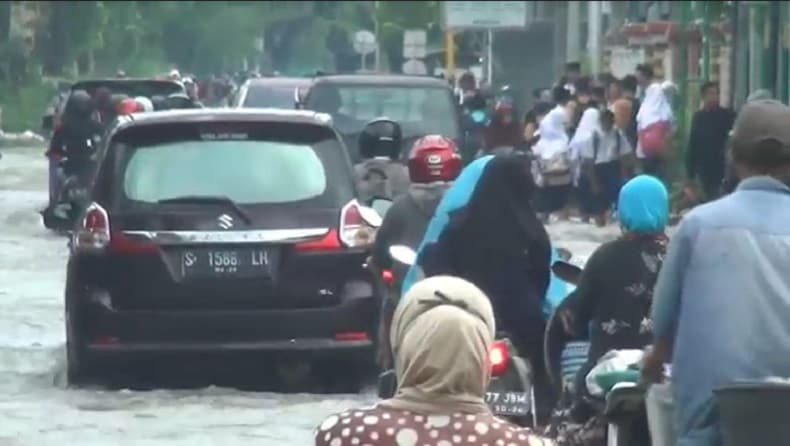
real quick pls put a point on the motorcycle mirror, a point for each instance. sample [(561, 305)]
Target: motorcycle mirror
[(48, 123), (370, 216), (403, 254), (567, 271), (565, 254), (381, 205)]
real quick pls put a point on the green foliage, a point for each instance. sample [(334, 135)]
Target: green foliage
[(23, 106), (145, 38), (198, 36)]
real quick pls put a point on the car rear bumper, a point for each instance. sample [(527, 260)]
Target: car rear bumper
[(348, 328), (305, 345)]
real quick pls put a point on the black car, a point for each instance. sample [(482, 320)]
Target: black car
[(221, 231), (272, 92), (422, 105)]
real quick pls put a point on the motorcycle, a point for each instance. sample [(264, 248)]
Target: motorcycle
[(510, 393), (623, 407), (68, 193)]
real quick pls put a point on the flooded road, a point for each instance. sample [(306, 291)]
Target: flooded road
[(36, 409)]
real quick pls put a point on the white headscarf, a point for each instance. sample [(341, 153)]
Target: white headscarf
[(588, 125), (655, 107), (440, 336), (553, 136)]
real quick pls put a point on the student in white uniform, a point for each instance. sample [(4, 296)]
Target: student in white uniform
[(606, 159)]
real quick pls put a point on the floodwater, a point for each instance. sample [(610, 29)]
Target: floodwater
[(36, 408)]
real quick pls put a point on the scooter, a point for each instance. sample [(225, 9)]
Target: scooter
[(624, 405), (510, 393)]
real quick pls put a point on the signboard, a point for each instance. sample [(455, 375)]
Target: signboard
[(484, 15), (364, 42), (415, 67), (623, 61), (414, 43)]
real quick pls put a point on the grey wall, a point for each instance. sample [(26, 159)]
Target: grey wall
[(526, 60)]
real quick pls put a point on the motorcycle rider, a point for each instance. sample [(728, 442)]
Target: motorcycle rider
[(504, 133), (102, 99), (380, 174), (494, 239), (614, 295), (474, 122), (434, 162), (73, 143)]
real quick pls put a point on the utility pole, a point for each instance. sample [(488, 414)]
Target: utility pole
[(573, 52), (377, 54), (449, 53), (594, 16)]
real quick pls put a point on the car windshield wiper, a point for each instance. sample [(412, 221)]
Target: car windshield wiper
[(209, 199)]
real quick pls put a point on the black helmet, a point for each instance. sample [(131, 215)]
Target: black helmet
[(80, 103), (381, 137)]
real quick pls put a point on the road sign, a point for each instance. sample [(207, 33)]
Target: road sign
[(415, 67), (623, 60), (484, 15), (414, 42), (364, 42)]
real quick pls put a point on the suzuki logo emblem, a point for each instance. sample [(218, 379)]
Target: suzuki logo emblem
[(225, 221)]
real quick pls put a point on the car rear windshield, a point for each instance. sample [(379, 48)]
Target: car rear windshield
[(419, 110), (270, 97), (246, 163)]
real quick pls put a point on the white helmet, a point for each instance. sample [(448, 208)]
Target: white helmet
[(145, 103)]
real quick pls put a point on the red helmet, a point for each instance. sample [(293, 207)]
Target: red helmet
[(127, 107), (434, 158)]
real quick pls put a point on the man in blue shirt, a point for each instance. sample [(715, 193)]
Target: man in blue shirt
[(721, 307)]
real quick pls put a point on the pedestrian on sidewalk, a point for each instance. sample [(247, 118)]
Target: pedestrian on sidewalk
[(706, 152), (654, 124)]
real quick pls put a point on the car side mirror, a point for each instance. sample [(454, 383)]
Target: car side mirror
[(566, 271), (381, 205)]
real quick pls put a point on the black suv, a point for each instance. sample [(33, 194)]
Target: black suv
[(215, 231)]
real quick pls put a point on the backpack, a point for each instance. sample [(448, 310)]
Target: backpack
[(596, 143), (554, 171), (654, 138)]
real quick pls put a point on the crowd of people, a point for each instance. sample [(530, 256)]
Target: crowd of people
[(589, 137), (708, 306)]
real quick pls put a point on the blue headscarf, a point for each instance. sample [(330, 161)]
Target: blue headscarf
[(643, 206)]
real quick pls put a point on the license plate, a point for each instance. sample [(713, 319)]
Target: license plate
[(508, 403), (225, 263)]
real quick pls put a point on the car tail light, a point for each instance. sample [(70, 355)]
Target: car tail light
[(354, 231), (94, 234), (352, 336), (94, 231), (387, 277), (329, 242), (498, 357)]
